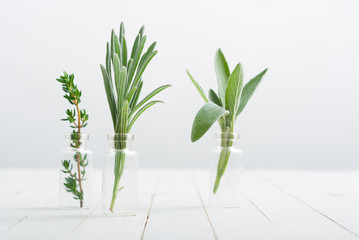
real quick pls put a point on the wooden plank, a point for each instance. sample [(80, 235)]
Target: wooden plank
[(25, 191), (177, 211), (327, 192), (246, 222), (98, 226), (47, 222), (296, 219)]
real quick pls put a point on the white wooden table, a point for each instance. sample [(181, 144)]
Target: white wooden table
[(275, 205)]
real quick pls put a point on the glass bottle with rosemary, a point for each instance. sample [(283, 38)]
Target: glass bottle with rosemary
[(123, 80)]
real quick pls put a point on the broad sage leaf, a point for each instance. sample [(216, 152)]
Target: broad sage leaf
[(249, 89), (222, 73), (205, 118), (233, 91)]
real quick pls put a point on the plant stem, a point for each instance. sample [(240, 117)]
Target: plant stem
[(222, 162), (77, 146), (120, 157)]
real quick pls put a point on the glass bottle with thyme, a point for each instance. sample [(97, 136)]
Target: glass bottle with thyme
[(75, 188), (76, 164)]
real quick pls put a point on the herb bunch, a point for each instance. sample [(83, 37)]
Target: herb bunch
[(78, 119), (122, 76), (223, 107)]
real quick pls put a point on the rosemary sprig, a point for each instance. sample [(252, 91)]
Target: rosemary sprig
[(78, 119), (122, 76), (223, 108)]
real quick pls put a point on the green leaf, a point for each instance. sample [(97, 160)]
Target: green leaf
[(142, 67), (124, 51), (139, 112), (249, 89), (121, 90), (109, 93), (199, 89), (214, 98), (149, 96), (116, 70), (222, 73), (121, 126), (136, 95), (233, 90), (205, 118)]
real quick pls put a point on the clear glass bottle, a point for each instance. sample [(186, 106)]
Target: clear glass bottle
[(119, 176), (225, 172), (75, 190)]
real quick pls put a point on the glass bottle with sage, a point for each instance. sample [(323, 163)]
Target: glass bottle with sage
[(224, 107)]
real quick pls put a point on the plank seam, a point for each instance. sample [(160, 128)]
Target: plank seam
[(306, 204), (148, 216), (25, 217), (205, 210), (81, 222)]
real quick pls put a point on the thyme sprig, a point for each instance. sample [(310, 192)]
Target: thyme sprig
[(78, 119)]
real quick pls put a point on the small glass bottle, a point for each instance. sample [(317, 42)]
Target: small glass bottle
[(119, 176), (225, 172), (75, 190)]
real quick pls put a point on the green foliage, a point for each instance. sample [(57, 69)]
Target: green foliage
[(205, 118), (222, 73), (122, 76), (78, 119), (233, 97), (225, 107)]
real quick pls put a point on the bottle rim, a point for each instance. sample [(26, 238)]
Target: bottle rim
[(227, 135), (120, 137), (76, 136)]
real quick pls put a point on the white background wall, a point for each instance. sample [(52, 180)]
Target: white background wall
[(304, 115)]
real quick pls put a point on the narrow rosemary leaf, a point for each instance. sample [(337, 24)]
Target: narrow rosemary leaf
[(249, 89), (233, 91), (135, 46), (121, 92), (124, 51), (122, 32), (148, 52), (129, 66), (149, 96), (214, 98), (112, 41), (199, 89), (116, 70), (137, 57), (108, 59), (130, 94), (136, 95), (142, 68), (110, 94), (142, 30), (139, 112), (205, 118), (117, 48)]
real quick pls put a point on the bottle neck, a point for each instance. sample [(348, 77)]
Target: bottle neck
[(120, 145), (227, 140), (120, 141), (75, 140)]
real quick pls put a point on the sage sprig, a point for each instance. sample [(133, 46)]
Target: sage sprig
[(122, 76), (223, 108), (78, 119)]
